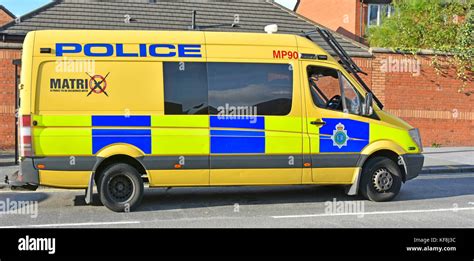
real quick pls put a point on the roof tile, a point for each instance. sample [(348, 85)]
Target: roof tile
[(171, 15)]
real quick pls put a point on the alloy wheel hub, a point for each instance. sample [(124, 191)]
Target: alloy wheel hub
[(382, 180)]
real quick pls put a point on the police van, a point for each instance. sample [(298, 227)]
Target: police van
[(117, 109)]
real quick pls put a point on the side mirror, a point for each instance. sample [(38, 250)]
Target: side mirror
[(367, 108)]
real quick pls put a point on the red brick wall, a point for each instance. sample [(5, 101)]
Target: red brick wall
[(4, 18), (7, 98), (426, 100)]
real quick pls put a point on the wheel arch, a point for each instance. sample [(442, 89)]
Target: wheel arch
[(388, 149), (116, 153), (383, 148), (395, 157), (118, 158)]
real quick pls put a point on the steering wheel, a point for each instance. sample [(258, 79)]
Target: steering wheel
[(335, 103)]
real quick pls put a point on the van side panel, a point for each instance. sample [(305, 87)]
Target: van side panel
[(119, 101)]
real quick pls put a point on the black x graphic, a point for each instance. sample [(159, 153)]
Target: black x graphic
[(97, 84)]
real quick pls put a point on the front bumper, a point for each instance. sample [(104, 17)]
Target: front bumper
[(413, 165), (27, 177)]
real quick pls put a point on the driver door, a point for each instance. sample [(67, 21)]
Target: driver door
[(337, 132)]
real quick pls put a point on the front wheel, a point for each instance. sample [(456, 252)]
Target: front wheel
[(121, 187), (381, 179)]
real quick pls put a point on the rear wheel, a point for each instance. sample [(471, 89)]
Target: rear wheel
[(381, 179), (121, 187)]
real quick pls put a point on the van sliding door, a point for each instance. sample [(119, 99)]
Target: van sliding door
[(255, 124)]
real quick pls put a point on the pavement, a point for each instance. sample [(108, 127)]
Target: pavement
[(435, 199), (448, 160)]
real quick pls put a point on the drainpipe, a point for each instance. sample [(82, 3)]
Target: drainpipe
[(17, 63)]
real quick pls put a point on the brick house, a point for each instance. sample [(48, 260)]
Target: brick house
[(416, 99), (350, 18), (5, 15)]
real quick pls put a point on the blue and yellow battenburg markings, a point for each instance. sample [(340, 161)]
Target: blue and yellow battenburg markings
[(225, 139), (229, 135), (343, 135), (141, 138)]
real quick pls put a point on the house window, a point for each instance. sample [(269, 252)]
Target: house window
[(377, 12)]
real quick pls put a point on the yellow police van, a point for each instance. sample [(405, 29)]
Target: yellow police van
[(116, 109)]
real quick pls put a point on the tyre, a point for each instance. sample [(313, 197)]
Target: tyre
[(121, 187), (381, 179)]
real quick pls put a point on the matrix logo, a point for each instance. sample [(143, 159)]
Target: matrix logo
[(68, 85), (96, 84)]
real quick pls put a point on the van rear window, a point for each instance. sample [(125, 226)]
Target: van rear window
[(263, 89), (185, 88)]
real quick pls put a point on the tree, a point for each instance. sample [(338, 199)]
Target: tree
[(447, 27)]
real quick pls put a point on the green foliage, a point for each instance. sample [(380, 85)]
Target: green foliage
[(442, 26)]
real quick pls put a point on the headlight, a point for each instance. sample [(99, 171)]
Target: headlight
[(415, 136)]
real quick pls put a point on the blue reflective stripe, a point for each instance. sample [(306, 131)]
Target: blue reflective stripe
[(223, 145), (121, 121), (237, 141), (237, 133), (104, 137), (244, 122)]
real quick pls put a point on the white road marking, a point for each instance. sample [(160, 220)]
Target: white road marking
[(445, 175), (48, 190), (74, 224), (378, 212)]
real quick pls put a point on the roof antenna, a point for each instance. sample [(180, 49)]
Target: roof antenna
[(193, 22)]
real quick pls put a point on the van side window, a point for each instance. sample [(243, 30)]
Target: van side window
[(258, 89), (185, 88), (331, 90)]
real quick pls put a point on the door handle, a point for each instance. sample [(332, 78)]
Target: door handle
[(321, 123)]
